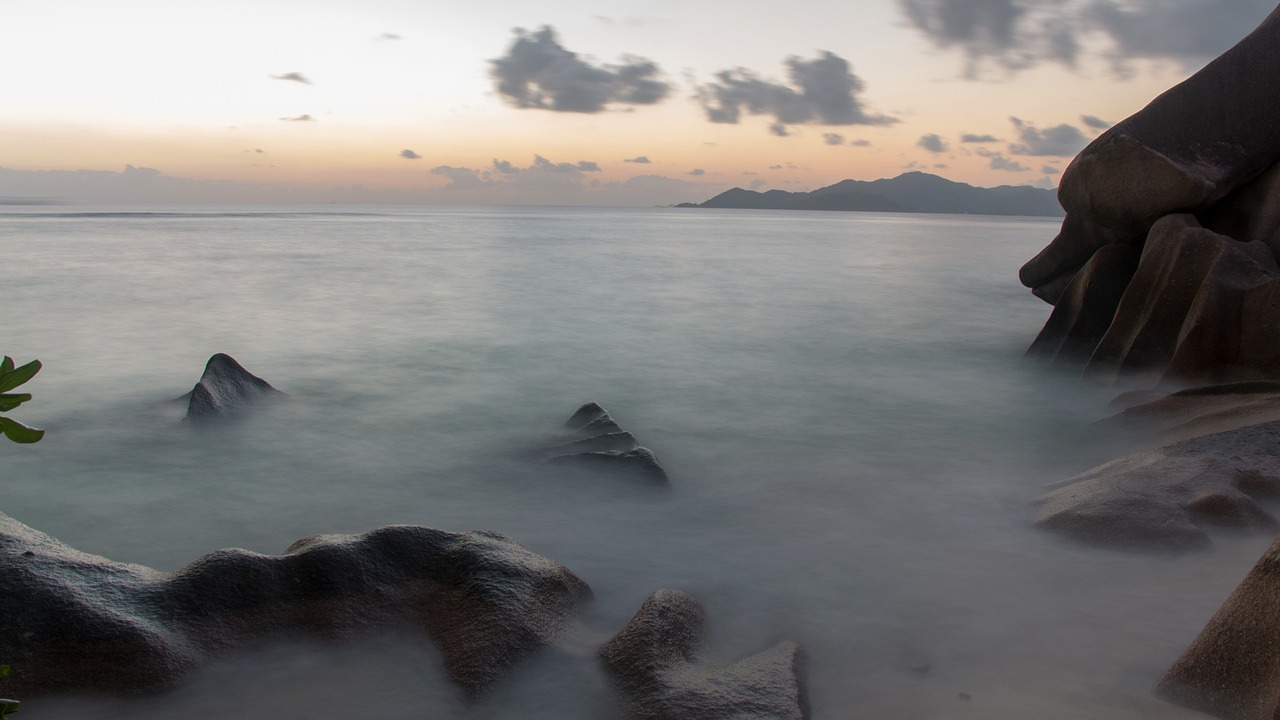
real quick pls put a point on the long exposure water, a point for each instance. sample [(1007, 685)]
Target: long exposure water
[(840, 400)]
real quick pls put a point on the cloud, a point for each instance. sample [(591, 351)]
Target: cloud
[(1049, 170), (1018, 34), (639, 159), (1095, 122), (505, 167), (292, 77), (538, 72), (833, 138), (389, 36), (462, 178), (860, 143), (410, 155), (933, 143), (779, 129), (586, 166), (1060, 140), (697, 171), (299, 118), (823, 91), (972, 138), (999, 162)]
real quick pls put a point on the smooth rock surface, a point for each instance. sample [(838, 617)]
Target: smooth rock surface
[(1164, 499), (655, 661), (1197, 411), (1232, 668), (225, 388), (74, 622), (592, 419)]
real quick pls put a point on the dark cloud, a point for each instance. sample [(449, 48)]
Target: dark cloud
[(823, 91), (1017, 34), (933, 143), (1059, 141), (587, 166), (299, 118), (697, 171), (972, 138), (833, 138), (639, 159), (410, 155), (537, 72), (1095, 122), (999, 162), (1049, 170), (505, 167), (778, 129), (292, 77)]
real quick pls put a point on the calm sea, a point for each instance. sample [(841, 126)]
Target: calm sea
[(839, 398)]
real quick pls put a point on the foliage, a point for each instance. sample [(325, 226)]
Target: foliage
[(10, 378), (7, 706)]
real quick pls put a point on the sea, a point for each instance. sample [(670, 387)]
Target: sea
[(841, 401)]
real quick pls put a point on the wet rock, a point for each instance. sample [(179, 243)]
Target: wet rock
[(592, 419), (1232, 669), (1085, 309), (70, 621), (639, 463), (225, 388), (605, 442), (1184, 152), (655, 662), (1165, 498)]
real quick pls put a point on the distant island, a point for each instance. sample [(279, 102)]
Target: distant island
[(913, 192)]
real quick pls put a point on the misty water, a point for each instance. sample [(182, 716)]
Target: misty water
[(840, 400)]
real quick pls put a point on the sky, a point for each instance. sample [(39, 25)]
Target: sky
[(570, 102)]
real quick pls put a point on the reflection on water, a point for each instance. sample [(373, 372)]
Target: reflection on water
[(839, 399)]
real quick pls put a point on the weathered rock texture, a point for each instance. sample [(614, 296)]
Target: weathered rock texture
[(1198, 411), (655, 662), (70, 621), (1232, 669), (1164, 499), (605, 447), (225, 388), (1202, 303)]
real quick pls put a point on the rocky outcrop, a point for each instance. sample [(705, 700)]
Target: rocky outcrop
[(1232, 669), (654, 661), (605, 446), (70, 621), (225, 388), (1166, 498), (1196, 411), (1188, 189)]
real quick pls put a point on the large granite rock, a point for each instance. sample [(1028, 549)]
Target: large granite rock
[(225, 388), (70, 621), (1232, 669), (1195, 411), (654, 660), (1183, 152), (1166, 498)]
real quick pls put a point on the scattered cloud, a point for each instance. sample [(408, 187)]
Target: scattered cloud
[(779, 129), (538, 72), (973, 138), (586, 166), (639, 160), (775, 167), (1060, 140), (757, 184), (860, 143), (1049, 170), (1096, 123), (697, 171), (932, 143), (410, 155), (823, 91), (999, 162), (292, 77), (833, 138), (1018, 34), (299, 118)]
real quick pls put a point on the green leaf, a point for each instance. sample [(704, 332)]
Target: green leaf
[(18, 432), (8, 706), (6, 365), (14, 378), (11, 401)]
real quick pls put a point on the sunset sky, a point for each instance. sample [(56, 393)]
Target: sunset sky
[(571, 102)]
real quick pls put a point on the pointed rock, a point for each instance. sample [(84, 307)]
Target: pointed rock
[(639, 462), (225, 388), (592, 419)]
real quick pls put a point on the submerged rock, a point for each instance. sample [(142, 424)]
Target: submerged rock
[(639, 462), (654, 660), (592, 419), (1164, 499), (607, 447), (225, 388), (1232, 669), (70, 621)]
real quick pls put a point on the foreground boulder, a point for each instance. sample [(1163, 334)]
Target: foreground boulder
[(1164, 499), (225, 388), (73, 622), (654, 660), (1165, 266), (1232, 669)]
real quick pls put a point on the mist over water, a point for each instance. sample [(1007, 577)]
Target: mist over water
[(839, 398)]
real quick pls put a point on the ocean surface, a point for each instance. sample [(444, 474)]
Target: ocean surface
[(840, 400)]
